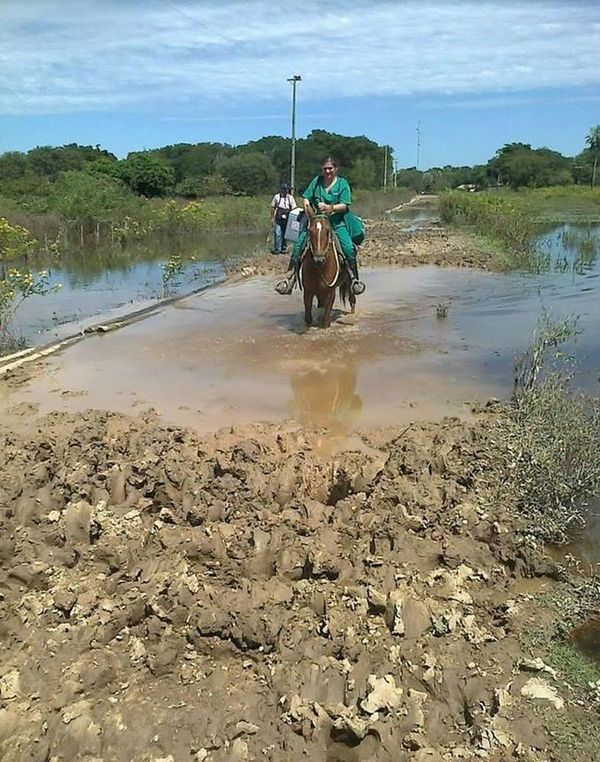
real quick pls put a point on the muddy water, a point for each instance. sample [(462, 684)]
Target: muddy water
[(242, 353), (101, 281)]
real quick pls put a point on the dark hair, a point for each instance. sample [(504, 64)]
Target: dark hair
[(330, 158)]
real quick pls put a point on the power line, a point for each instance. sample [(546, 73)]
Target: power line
[(201, 24)]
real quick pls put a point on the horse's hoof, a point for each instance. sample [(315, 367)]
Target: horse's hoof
[(358, 288)]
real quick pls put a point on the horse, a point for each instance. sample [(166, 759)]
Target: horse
[(323, 270)]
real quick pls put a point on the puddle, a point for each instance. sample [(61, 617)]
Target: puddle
[(97, 281), (584, 548), (587, 639), (241, 353)]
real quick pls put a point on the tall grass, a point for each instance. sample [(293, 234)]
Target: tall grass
[(498, 218)]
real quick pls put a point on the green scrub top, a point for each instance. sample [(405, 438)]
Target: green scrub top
[(337, 193)]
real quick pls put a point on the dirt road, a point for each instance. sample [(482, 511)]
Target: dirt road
[(257, 595)]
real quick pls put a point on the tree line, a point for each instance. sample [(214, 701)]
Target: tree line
[(80, 181)]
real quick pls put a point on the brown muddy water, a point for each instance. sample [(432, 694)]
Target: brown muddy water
[(241, 353)]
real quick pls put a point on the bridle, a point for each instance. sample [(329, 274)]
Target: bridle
[(320, 256)]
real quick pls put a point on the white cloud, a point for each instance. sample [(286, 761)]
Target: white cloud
[(162, 54)]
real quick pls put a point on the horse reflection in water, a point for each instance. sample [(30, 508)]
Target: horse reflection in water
[(324, 270), (327, 397)]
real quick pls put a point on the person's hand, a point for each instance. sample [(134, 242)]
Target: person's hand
[(322, 207)]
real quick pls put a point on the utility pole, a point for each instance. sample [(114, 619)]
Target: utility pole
[(418, 142), (385, 163), (296, 78)]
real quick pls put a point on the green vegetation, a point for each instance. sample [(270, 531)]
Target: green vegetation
[(72, 196), (498, 218), (550, 438), (514, 220), (577, 675), (593, 143), (441, 310), (16, 284)]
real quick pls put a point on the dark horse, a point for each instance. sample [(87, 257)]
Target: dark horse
[(323, 270)]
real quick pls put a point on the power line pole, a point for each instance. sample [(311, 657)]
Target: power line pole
[(385, 163), (418, 143), (296, 78)]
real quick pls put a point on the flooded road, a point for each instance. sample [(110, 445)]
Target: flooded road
[(99, 281), (241, 353)]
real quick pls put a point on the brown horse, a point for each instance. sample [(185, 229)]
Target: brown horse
[(323, 270)]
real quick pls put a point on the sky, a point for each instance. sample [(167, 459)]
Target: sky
[(135, 74)]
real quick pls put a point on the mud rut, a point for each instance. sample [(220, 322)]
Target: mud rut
[(238, 597)]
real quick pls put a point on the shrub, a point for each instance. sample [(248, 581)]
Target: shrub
[(551, 436)]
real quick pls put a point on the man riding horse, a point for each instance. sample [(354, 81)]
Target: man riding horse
[(327, 194)]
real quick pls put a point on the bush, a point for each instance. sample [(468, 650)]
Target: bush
[(551, 437), (497, 217), (15, 241)]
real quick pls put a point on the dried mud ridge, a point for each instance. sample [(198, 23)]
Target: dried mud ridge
[(171, 597), (388, 244)]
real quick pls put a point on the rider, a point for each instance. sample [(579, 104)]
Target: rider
[(327, 194)]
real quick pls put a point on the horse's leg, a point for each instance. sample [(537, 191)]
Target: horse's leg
[(308, 300), (328, 300)]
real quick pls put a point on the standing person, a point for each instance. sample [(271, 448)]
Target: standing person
[(281, 205), (330, 194)]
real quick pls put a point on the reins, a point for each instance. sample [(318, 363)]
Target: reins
[(336, 256)]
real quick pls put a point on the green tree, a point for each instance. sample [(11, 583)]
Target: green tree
[(90, 198), (147, 175), (249, 174), (199, 187), (192, 160), (593, 143), (363, 173), (13, 165), (518, 165), (48, 161)]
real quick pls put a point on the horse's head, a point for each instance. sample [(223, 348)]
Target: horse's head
[(319, 232)]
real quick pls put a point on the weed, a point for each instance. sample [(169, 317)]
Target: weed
[(171, 270), (441, 310), (551, 436)]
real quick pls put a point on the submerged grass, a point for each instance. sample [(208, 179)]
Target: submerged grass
[(514, 220)]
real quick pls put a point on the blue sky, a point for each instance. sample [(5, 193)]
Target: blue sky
[(133, 74)]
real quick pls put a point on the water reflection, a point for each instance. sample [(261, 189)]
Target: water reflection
[(327, 396)]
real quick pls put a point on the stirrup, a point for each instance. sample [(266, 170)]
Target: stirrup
[(286, 286), (357, 287)]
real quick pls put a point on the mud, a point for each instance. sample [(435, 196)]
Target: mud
[(387, 243), (268, 592), (238, 596)]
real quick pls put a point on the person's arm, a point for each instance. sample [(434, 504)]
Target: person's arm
[(307, 196), (342, 205), (274, 203)]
